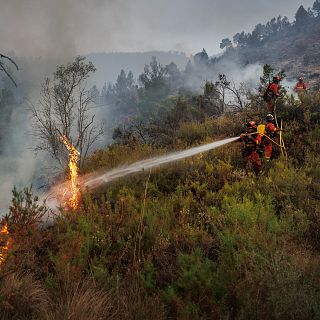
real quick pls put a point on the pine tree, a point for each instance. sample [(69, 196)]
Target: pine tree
[(316, 7), (225, 43), (302, 16)]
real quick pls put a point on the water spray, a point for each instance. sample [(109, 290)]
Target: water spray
[(92, 181)]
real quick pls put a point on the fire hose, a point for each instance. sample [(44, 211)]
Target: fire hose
[(281, 141)]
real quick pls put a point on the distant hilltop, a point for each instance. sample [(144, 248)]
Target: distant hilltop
[(292, 46)]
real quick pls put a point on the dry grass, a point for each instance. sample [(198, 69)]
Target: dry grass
[(135, 304), (82, 301), (22, 297)]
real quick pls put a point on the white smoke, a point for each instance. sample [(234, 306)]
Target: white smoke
[(17, 161), (19, 166)]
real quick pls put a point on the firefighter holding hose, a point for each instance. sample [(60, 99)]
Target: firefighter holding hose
[(251, 151)]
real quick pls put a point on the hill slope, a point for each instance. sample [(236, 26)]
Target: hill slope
[(293, 47)]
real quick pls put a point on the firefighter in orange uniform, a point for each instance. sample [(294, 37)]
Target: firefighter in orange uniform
[(300, 85), (272, 93), (300, 88), (251, 150), (270, 131)]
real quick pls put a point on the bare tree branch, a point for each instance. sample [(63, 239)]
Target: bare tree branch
[(3, 67), (64, 110)]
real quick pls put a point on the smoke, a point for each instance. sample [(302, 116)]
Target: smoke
[(64, 27), (235, 72), (248, 74), (44, 34), (61, 28), (17, 161), (19, 166)]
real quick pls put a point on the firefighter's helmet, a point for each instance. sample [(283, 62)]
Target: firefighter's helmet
[(251, 124), (269, 117), (276, 78)]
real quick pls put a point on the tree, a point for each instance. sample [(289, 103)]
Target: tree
[(124, 93), (109, 95), (266, 79), (316, 7), (302, 16), (172, 70), (285, 23), (104, 90), (225, 43), (94, 94), (121, 84), (7, 103), (4, 68), (189, 68), (174, 77), (64, 110), (255, 38), (211, 100), (241, 39), (154, 86), (154, 75), (201, 58), (259, 31), (232, 97)]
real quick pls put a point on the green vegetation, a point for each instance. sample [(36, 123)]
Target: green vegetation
[(197, 239)]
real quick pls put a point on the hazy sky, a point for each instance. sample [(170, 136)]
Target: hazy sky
[(63, 27)]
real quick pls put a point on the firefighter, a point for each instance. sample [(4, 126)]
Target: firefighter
[(272, 93), (300, 85), (270, 132), (300, 88), (251, 149)]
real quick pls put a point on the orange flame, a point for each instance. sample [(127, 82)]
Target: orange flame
[(4, 232), (73, 170)]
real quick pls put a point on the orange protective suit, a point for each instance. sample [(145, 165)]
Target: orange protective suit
[(271, 129), (273, 90), (300, 86), (250, 151)]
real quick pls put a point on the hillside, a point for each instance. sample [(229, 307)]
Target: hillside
[(198, 239), (296, 54), (293, 47)]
